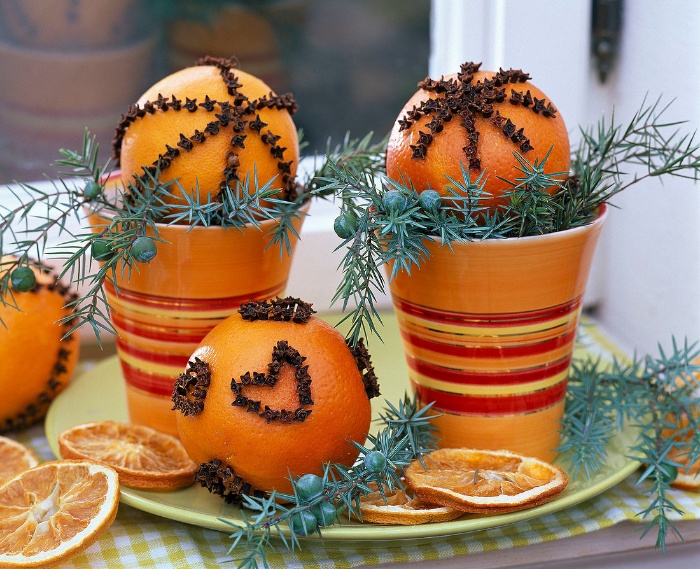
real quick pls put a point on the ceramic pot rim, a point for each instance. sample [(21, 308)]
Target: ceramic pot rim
[(599, 220), (263, 225)]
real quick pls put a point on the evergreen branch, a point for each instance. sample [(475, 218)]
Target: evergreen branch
[(40, 212), (657, 513), (387, 222), (287, 213), (360, 263), (317, 501), (659, 147), (392, 224), (358, 156), (24, 229), (590, 421), (656, 396), (130, 213)]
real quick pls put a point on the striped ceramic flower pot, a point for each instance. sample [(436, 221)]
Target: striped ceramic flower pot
[(488, 329), (162, 310)]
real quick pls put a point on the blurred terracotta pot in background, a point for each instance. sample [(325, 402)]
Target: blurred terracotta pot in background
[(67, 66)]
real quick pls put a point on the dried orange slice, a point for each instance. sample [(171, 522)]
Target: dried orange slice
[(484, 482), (14, 458), (54, 511), (143, 457), (401, 509)]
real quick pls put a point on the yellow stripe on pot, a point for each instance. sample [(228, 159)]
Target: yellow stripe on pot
[(487, 389), (150, 367), (128, 309), (483, 330), (485, 337)]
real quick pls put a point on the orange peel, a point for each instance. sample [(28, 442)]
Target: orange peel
[(144, 457), (484, 481)]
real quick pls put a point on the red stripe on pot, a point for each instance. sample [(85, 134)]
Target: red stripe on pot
[(487, 320), (496, 405), (507, 377), (191, 305), (153, 383), (479, 351), (173, 360), (184, 334)]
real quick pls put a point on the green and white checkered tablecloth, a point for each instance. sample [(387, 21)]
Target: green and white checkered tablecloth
[(138, 539)]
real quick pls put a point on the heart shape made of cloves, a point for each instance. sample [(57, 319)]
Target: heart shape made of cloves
[(282, 354)]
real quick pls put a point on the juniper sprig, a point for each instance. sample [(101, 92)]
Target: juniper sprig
[(122, 218), (384, 224), (318, 501), (657, 398)]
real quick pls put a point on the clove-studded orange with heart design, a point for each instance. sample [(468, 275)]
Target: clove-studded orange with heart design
[(270, 391)]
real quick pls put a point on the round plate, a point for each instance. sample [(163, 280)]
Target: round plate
[(98, 394)]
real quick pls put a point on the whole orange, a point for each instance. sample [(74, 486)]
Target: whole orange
[(207, 127), (35, 363), (266, 396), (476, 120)]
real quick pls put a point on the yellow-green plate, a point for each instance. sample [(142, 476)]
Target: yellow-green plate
[(98, 394)]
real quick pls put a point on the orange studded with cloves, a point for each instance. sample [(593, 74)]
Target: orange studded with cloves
[(36, 362), (208, 127), (476, 122), (269, 391)]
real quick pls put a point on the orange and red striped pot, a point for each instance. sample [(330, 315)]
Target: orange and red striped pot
[(488, 329), (161, 311)]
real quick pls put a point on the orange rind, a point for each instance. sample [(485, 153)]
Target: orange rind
[(396, 507), (272, 390), (29, 327), (477, 120), (52, 512), (483, 481), (143, 457), (207, 127), (15, 458)]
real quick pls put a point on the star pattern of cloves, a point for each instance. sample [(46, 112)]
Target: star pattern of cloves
[(238, 119), (464, 99)]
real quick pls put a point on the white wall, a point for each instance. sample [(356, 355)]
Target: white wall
[(314, 273), (646, 277), (499, 33), (651, 247)]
